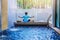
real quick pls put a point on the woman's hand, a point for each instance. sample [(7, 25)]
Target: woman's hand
[(32, 17), (19, 17)]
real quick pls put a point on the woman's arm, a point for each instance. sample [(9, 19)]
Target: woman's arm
[(32, 17), (20, 17)]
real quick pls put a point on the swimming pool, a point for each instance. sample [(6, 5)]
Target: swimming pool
[(31, 33)]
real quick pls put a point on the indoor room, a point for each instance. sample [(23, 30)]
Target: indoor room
[(29, 20)]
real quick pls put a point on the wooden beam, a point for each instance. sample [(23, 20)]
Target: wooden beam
[(4, 14)]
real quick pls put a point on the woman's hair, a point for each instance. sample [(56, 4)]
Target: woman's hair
[(26, 13)]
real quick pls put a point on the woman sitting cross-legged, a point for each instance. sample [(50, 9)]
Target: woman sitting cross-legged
[(26, 17)]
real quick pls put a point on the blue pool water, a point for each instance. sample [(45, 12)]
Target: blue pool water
[(30, 33)]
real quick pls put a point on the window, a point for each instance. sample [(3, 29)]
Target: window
[(28, 4)]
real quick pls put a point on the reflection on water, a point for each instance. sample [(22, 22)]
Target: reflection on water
[(31, 33)]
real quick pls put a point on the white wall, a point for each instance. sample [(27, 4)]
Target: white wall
[(39, 14)]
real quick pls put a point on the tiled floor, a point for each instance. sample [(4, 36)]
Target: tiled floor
[(30, 33)]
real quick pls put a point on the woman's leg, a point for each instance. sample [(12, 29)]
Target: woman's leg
[(29, 20)]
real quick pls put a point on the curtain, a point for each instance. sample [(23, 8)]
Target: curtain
[(58, 14)]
